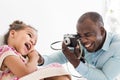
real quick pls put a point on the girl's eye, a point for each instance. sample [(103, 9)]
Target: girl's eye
[(30, 35)]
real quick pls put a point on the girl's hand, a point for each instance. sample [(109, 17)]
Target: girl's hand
[(33, 58), (33, 55)]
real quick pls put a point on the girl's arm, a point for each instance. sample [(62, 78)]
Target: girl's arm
[(18, 67)]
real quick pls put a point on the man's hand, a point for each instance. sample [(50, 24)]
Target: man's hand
[(41, 60), (72, 56)]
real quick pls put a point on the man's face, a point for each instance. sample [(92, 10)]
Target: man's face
[(91, 35)]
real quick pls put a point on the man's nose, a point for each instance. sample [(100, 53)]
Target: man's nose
[(83, 39)]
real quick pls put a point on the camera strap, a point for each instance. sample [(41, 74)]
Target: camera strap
[(53, 44), (80, 47), (81, 56)]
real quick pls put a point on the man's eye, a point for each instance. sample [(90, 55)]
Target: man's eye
[(89, 34), (78, 35)]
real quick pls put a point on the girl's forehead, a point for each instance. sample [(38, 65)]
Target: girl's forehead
[(32, 31)]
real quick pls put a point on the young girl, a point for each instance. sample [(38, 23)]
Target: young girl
[(19, 43)]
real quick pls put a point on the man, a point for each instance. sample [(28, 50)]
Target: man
[(101, 49)]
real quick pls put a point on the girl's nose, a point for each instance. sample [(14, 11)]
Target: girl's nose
[(33, 41)]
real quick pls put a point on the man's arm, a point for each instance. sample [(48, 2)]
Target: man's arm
[(54, 57), (110, 70)]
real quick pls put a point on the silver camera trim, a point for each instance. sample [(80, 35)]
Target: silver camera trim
[(67, 37)]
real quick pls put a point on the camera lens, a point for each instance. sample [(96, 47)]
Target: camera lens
[(67, 41), (70, 40)]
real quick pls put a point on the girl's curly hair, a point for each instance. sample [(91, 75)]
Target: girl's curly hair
[(16, 25)]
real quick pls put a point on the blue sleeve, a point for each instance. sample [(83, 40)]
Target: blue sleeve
[(55, 57), (109, 71), (90, 72)]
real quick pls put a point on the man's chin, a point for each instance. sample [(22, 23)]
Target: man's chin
[(90, 50)]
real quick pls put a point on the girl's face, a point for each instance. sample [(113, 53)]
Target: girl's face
[(23, 40)]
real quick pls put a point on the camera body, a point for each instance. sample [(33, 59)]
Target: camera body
[(70, 40)]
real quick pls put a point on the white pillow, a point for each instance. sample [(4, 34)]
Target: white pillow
[(1, 40)]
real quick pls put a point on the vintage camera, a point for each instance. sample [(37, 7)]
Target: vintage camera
[(70, 40)]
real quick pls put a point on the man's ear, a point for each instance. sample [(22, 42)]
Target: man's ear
[(102, 29), (12, 33)]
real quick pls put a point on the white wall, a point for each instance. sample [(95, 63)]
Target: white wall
[(112, 18), (53, 18)]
